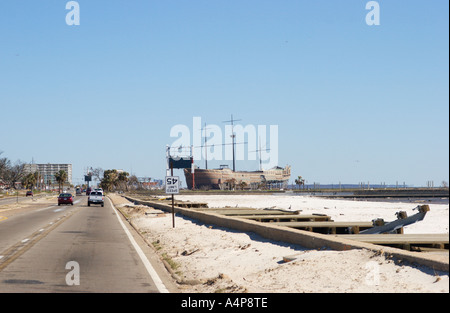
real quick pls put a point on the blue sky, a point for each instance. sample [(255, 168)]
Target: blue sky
[(353, 103)]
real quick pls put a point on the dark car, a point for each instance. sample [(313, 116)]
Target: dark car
[(65, 198), (29, 193), (88, 191)]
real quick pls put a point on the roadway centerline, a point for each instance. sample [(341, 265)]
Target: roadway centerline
[(13, 252), (47, 208)]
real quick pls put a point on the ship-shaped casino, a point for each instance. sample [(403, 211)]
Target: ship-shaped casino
[(225, 178)]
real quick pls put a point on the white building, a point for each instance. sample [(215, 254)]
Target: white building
[(49, 170)]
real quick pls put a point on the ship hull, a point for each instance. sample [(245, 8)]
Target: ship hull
[(227, 179)]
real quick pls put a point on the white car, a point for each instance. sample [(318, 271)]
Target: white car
[(96, 197)]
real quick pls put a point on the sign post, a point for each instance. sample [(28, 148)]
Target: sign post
[(172, 188), (173, 182)]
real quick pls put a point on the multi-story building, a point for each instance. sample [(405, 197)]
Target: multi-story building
[(49, 170)]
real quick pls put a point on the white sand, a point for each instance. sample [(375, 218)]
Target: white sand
[(436, 221), (231, 261)]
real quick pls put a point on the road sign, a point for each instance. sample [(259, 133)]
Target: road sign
[(172, 185), (180, 162)]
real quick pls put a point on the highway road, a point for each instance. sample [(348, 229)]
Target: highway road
[(51, 248)]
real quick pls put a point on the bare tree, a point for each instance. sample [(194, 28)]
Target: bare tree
[(4, 165), (13, 173), (133, 182), (98, 173)]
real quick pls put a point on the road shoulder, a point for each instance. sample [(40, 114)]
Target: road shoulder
[(149, 252)]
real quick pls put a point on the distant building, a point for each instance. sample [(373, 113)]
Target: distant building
[(149, 183), (49, 170)]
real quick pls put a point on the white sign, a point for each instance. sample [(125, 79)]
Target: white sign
[(172, 185)]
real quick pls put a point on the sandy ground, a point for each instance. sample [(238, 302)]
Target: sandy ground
[(215, 259), (24, 204)]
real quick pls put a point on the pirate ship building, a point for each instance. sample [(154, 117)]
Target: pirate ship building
[(225, 178)]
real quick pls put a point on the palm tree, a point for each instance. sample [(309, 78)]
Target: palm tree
[(37, 178), (61, 177), (300, 182), (122, 180), (29, 181)]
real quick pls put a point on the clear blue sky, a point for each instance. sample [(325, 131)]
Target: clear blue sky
[(352, 102)]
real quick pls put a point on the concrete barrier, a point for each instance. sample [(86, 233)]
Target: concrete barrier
[(300, 237)]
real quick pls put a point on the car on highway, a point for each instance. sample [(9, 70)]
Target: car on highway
[(29, 193), (96, 197), (88, 191), (65, 198)]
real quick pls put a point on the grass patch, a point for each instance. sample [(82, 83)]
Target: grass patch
[(173, 265), (157, 245)]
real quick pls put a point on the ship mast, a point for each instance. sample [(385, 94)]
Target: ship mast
[(260, 164), (205, 145), (232, 138), (259, 150), (206, 148)]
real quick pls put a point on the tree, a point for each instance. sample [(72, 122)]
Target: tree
[(231, 183), (38, 179), (242, 185), (109, 180), (61, 177), (11, 174), (300, 182), (113, 179), (122, 180), (29, 181), (133, 182), (97, 173), (4, 165)]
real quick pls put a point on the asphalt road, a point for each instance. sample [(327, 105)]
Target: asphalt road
[(75, 248)]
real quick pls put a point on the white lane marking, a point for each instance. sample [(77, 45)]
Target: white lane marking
[(158, 282), (46, 208), (57, 210)]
